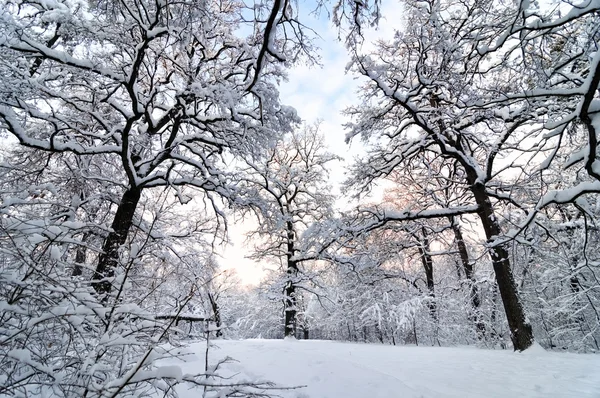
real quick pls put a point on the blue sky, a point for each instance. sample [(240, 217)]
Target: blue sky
[(323, 92)]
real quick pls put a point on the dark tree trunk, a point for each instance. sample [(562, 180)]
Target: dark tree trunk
[(109, 258), (427, 262), (80, 255), (305, 333), (574, 282), (415, 331), (379, 334), (468, 269), (216, 314), (289, 300), (351, 332), (520, 329)]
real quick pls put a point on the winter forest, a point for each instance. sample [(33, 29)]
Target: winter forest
[(138, 135)]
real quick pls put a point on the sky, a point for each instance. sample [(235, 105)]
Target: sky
[(317, 93)]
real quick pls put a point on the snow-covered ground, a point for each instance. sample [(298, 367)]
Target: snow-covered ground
[(345, 370)]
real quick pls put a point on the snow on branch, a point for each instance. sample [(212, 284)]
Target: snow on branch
[(383, 216)]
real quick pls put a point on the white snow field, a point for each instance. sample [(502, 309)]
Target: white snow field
[(347, 370)]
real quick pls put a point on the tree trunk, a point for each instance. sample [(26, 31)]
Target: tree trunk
[(305, 333), (216, 314), (379, 334), (81, 255), (520, 329), (427, 262), (289, 300), (468, 269), (109, 258)]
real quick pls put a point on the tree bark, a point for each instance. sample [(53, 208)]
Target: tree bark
[(427, 262), (289, 300), (468, 269), (109, 258), (520, 329), (216, 314), (305, 332), (81, 255)]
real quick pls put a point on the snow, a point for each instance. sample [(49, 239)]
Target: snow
[(55, 253), (333, 369)]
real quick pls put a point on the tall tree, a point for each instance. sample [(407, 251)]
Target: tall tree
[(150, 99), (417, 88), (454, 84), (161, 90), (289, 192), (57, 337)]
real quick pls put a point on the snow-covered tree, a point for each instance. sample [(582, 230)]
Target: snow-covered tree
[(162, 90), (289, 192), (123, 109)]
